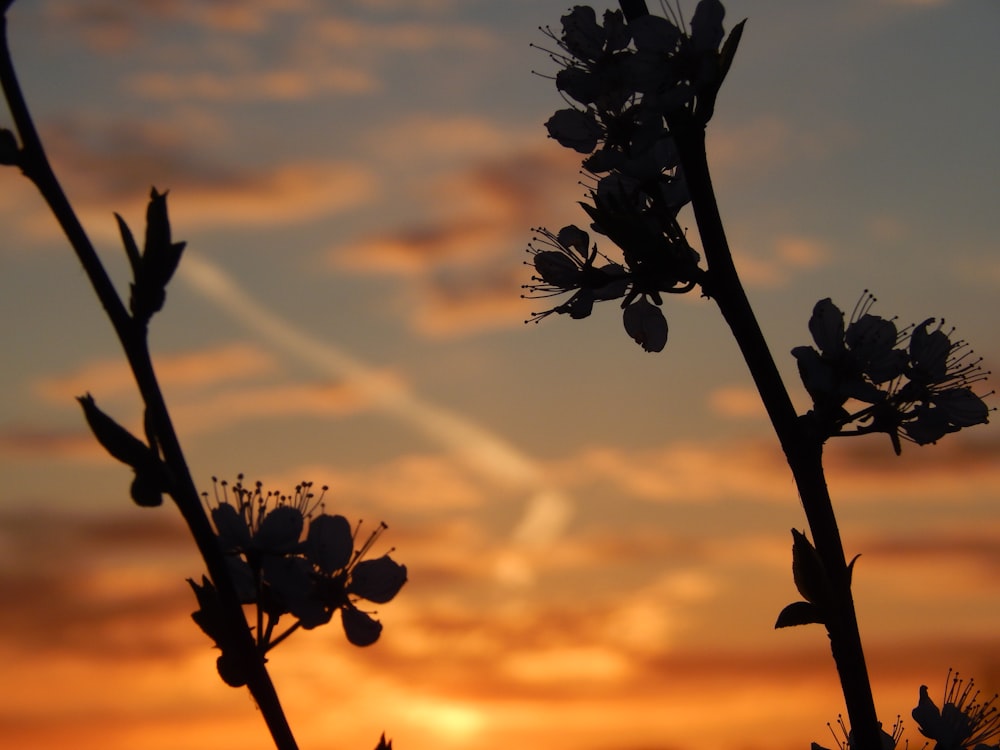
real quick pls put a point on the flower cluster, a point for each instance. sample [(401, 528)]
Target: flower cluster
[(282, 571), (917, 383), (962, 722), (631, 82)]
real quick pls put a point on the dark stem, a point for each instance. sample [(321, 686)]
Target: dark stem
[(803, 447), (35, 165)]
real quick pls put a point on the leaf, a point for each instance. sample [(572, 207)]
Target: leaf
[(10, 152), (115, 439), (728, 51), (131, 249), (798, 613), (383, 744), (808, 571), (160, 258)]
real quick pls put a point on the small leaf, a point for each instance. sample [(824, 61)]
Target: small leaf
[(383, 744), (160, 258), (131, 249), (115, 439), (10, 152), (798, 613), (728, 51), (808, 571), (208, 617), (157, 225), (850, 568)]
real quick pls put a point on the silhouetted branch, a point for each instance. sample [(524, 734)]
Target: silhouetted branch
[(131, 332)]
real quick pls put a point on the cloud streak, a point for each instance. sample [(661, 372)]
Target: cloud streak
[(548, 509)]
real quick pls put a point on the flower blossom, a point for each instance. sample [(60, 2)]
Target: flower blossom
[(283, 572), (962, 722), (917, 383), (563, 264)]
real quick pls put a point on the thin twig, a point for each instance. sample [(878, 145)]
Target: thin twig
[(802, 446), (132, 335)]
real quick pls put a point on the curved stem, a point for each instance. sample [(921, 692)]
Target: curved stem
[(132, 335), (802, 446)]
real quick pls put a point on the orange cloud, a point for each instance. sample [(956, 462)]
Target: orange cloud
[(20, 443), (345, 34), (424, 138), (788, 256), (198, 369), (691, 472), (738, 402), (236, 405), (462, 272), (109, 168), (745, 149), (291, 84)]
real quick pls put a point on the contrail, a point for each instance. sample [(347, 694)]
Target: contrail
[(548, 509)]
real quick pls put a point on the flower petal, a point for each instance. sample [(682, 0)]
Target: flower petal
[(574, 129), (557, 269), (233, 531), (827, 327), (377, 580), (289, 579), (280, 530), (929, 352), (645, 323), (706, 25), (582, 35), (361, 628), (575, 238), (962, 407), (329, 543)]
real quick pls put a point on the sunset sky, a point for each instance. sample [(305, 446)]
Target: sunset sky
[(597, 538)]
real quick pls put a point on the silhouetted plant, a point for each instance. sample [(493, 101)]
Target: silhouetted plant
[(642, 90), (259, 552)]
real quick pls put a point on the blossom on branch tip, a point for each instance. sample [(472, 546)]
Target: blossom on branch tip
[(962, 722)]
